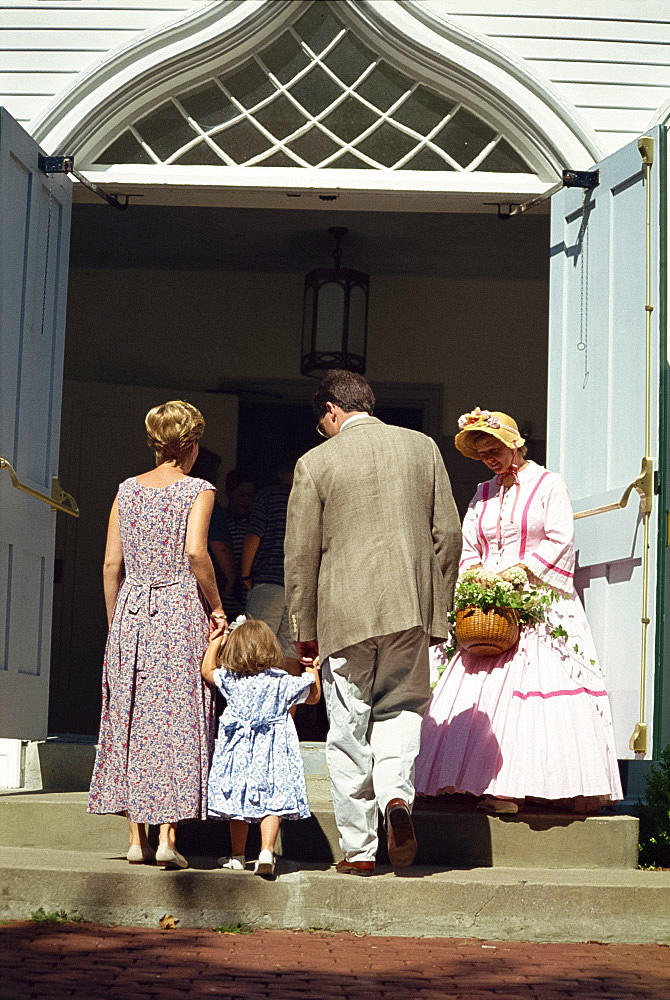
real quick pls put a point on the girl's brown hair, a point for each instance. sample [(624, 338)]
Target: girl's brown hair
[(251, 648)]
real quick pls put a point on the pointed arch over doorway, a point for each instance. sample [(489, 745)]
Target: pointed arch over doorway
[(516, 114)]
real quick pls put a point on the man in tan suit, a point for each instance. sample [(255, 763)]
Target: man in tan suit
[(372, 546)]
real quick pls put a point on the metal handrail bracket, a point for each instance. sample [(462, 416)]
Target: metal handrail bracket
[(643, 485), (59, 499)]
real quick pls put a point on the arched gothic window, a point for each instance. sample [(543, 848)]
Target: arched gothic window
[(317, 96)]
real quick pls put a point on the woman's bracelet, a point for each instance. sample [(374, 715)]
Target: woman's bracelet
[(218, 615)]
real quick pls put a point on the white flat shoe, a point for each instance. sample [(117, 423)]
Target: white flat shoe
[(138, 855), (235, 864), (169, 857), (265, 864)]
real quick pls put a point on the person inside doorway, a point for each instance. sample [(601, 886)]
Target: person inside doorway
[(219, 539), (240, 493), (263, 556)]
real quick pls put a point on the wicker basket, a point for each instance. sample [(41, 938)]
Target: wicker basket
[(487, 633)]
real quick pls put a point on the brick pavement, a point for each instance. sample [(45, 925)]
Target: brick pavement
[(54, 962)]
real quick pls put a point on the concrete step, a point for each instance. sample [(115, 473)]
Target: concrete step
[(58, 772), (494, 903), (448, 833)]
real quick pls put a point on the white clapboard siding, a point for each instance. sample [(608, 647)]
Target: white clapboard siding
[(609, 9), (571, 28), (44, 45), (627, 74), (31, 84), (610, 59), (50, 61), (76, 16), (24, 108), (592, 50)]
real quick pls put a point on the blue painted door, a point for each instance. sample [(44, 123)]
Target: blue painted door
[(34, 245), (602, 392)]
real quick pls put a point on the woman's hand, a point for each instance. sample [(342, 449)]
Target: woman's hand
[(218, 623), (503, 573)]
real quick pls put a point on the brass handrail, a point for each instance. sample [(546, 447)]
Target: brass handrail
[(59, 499), (644, 485), (638, 741)]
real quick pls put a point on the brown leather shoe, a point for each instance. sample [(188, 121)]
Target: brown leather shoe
[(401, 839), (345, 867)]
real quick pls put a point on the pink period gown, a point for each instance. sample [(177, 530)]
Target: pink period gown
[(536, 720)]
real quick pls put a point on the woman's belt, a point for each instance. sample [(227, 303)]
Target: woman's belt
[(143, 594)]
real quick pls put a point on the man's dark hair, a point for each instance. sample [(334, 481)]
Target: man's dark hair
[(348, 390)]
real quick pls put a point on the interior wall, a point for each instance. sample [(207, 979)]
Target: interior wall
[(484, 339), (480, 337)]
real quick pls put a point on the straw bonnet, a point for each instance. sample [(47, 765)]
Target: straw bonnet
[(498, 425)]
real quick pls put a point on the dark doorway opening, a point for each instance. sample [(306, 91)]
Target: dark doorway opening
[(269, 429)]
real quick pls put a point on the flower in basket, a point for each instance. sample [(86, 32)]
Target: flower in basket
[(482, 589), (489, 610)]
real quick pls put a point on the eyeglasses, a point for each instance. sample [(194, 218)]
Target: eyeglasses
[(320, 431)]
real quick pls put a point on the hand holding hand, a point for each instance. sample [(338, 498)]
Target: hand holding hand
[(308, 652), (217, 623)]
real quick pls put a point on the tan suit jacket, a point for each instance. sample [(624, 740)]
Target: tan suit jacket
[(373, 537)]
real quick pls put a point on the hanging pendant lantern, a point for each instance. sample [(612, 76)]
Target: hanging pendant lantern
[(335, 316)]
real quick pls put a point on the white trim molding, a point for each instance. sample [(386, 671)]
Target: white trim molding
[(137, 77), (661, 116)]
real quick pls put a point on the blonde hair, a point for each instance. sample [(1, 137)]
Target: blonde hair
[(251, 648), (172, 429)]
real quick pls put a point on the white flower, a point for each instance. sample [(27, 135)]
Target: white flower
[(462, 420), (493, 421)]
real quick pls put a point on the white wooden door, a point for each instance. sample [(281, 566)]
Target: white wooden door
[(34, 245), (596, 405)]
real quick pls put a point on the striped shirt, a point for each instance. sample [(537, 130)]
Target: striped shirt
[(268, 521)]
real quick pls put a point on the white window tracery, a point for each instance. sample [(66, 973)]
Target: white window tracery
[(317, 96)]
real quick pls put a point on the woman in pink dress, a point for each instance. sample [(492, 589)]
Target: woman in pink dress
[(534, 722), (162, 605)]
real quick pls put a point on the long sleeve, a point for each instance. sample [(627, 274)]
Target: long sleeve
[(446, 527), (553, 558), (302, 554), (472, 544)]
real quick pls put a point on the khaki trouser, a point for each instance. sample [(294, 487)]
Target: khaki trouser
[(376, 692)]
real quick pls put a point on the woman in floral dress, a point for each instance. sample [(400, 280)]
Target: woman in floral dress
[(534, 722), (156, 728)]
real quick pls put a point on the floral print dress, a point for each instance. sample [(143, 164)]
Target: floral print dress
[(157, 715)]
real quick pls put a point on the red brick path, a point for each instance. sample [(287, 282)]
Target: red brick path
[(50, 962)]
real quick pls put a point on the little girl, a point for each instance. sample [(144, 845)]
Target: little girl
[(257, 774)]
